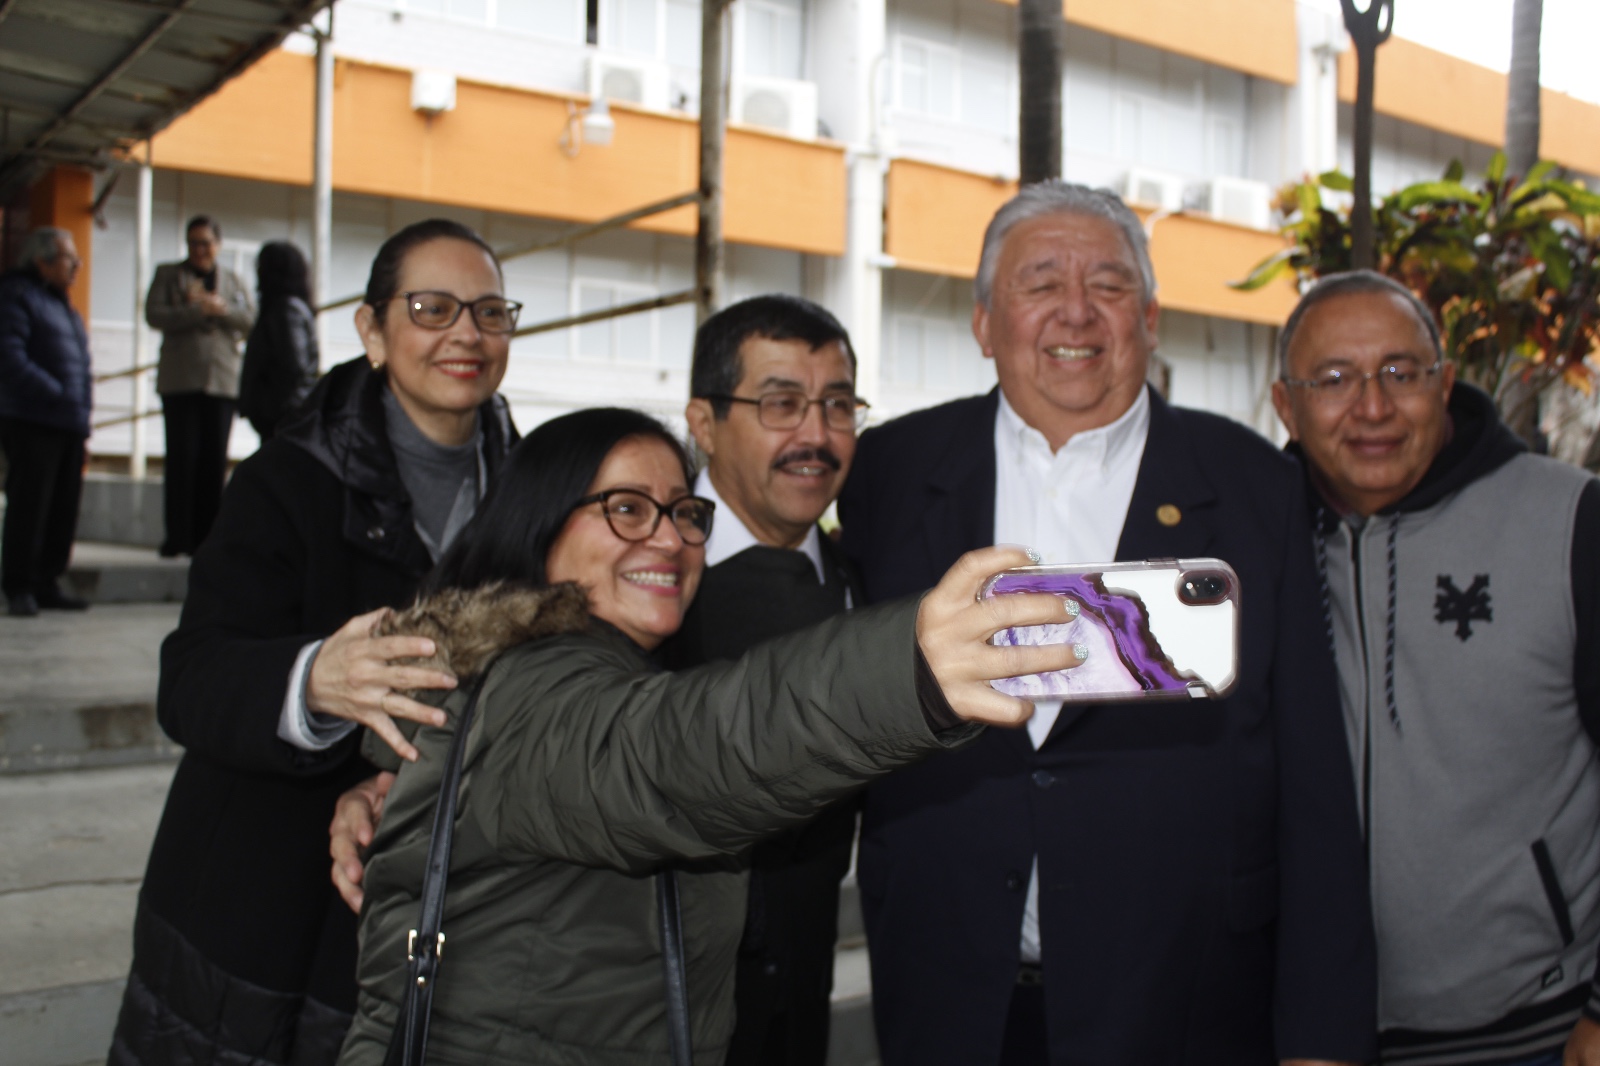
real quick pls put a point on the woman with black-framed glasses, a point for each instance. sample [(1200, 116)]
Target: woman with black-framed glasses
[(243, 950), (593, 780)]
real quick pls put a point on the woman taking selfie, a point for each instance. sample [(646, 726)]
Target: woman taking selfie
[(242, 950), (595, 787)]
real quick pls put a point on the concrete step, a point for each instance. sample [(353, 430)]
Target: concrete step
[(80, 688), (118, 509), (119, 573)]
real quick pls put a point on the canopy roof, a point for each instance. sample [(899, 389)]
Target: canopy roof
[(82, 78)]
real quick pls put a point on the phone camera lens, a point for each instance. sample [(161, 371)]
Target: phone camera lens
[(1204, 589)]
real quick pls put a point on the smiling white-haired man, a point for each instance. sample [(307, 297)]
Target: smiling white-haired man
[(1123, 884)]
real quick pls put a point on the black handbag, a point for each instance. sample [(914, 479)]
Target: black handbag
[(425, 944)]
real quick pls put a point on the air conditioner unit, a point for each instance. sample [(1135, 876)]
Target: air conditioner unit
[(776, 104), (433, 91), (1153, 188), (1244, 203), (630, 80)]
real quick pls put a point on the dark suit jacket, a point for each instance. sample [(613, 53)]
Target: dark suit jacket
[(1203, 890)]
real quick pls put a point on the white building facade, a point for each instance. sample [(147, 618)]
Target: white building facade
[(906, 95)]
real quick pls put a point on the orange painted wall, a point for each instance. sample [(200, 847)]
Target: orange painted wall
[(498, 151), (64, 198), (1441, 92), (259, 125), (935, 218), (1254, 36)]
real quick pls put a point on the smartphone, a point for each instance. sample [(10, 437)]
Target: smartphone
[(1160, 629)]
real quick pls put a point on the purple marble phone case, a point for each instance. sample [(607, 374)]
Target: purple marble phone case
[(1125, 659)]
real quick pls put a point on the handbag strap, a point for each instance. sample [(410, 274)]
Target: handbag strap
[(425, 943), (680, 1039)]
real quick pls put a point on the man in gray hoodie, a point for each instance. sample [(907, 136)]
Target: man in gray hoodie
[(1463, 598)]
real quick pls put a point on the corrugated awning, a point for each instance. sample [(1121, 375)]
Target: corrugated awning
[(80, 79)]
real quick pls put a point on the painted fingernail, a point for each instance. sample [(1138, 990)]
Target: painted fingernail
[(1072, 608), (1081, 651), (1033, 554)]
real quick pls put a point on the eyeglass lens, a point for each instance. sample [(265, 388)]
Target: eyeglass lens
[(1395, 379), (635, 516), (786, 410), (439, 310)]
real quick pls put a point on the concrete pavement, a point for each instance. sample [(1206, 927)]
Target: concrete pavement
[(72, 851)]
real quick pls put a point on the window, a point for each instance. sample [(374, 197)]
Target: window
[(927, 82), (935, 355), (551, 18), (548, 18), (772, 35), (667, 30), (628, 339)]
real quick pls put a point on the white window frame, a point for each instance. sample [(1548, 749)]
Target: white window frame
[(741, 29), (490, 20), (623, 292), (954, 56)]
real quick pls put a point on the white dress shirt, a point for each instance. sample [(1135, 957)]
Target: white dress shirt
[(730, 536), (1069, 506)]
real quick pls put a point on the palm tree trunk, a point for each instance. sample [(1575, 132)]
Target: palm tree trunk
[(1039, 45), (1522, 96), (1368, 29)]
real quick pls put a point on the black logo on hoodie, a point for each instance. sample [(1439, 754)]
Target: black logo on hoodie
[(1463, 608)]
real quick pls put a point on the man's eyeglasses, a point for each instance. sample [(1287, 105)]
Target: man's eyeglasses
[(439, 310), (634, 516), (1335, 388), (787, 408)]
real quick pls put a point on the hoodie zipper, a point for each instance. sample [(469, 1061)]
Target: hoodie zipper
[(1366, 690)]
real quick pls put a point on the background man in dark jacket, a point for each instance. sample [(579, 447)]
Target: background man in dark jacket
[(44, 421), (775, 412), (203, 311), (1463, 578), (1131, 884)]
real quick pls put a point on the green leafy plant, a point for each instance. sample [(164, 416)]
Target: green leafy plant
[(1510, 269)]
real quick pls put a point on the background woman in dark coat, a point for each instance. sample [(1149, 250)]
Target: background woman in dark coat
[(242, 949), (281, 357)]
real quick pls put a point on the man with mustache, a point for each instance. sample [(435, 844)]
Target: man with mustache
[(775, 412), (1122, 884)]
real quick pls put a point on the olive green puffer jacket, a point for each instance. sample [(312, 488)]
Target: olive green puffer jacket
[(586, 771)]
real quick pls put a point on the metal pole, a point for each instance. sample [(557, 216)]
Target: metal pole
[(141, 333), (708, 260), (322, 177)]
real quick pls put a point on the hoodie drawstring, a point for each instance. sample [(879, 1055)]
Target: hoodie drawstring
[(1321, 544), (1388, 639)]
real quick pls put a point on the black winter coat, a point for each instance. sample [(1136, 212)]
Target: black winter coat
[(44, 355), (243, 951), (280, 363)]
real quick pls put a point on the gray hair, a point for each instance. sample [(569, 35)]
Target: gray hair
[(1056, 197), (44, 243), (1355, 283)]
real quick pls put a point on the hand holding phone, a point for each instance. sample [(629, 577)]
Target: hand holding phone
[(1164, 629)]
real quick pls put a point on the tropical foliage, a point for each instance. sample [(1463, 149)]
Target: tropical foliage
[(1510, 268)]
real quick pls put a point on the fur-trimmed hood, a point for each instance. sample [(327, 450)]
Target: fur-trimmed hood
[(469, 627)]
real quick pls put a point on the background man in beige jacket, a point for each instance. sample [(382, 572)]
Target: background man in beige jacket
[(203, 311)]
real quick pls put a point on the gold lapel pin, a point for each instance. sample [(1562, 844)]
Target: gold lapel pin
[(1168, 514)]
